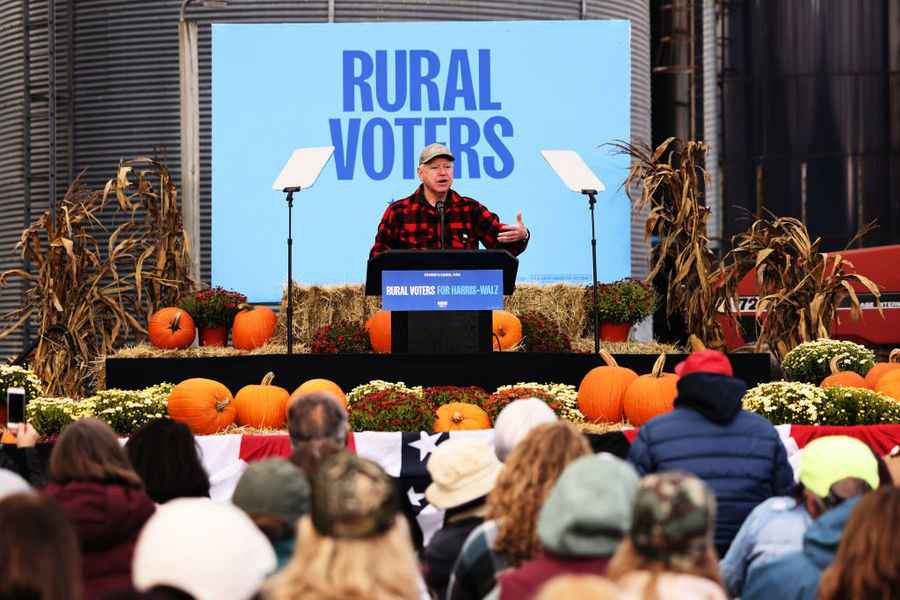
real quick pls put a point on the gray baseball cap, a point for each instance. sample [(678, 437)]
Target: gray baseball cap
[(433, 151)]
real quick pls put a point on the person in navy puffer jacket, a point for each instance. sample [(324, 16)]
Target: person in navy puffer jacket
[(737, 453)]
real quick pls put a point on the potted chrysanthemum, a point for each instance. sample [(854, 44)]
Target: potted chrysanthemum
[(620, 305), (213, 311)]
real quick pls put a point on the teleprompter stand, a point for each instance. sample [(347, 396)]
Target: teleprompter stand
[(578, 177), (300, 172)]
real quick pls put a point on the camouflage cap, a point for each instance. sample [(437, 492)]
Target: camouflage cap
[(674, 516), (352, 498)]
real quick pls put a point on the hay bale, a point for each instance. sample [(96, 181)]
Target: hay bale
[(560, 302), (144, 350), (316, 306), (602, 427), (98, 367), (586, 345)]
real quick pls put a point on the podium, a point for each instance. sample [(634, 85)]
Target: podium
[(441, 300)]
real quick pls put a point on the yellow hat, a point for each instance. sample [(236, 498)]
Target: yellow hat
[(827, 460)]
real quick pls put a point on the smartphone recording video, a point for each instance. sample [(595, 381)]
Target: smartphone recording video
[(15, 407)]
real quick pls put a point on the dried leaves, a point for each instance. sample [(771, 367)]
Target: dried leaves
[(799, 287), (164, 237), (98, 295), (670, 180)]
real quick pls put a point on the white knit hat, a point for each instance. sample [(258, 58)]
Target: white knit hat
[(515, 421), (209, 550), (462, 469), (11, 483)]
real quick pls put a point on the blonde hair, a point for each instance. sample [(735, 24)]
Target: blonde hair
[(529, 474), (628, 560), (382, 567), (579, 586)]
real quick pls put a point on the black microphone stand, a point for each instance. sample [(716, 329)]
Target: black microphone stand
[(440, 208), (592, 200), (290, 291)]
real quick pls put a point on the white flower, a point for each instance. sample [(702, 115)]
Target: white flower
[(566, 394)]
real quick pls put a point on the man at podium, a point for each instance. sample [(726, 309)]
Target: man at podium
[(436, 217)]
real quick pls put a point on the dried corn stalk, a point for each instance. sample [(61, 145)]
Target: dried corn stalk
[(166, 256), (799, 287), (98, 295), (670, 180)]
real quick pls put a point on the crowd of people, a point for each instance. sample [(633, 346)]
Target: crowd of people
[(705, 507)]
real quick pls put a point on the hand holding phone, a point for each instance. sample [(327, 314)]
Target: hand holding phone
[(27, 436), (15, 408)]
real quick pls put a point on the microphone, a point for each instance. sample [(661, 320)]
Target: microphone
[(440, 209)]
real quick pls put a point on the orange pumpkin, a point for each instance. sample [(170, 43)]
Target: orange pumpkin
[(890, 388), (650, 395), (461, 415), (840, 378), (379, 329), (262, 405), (883, 368), (889, 384), (507, 330), (204, 405), (888, 378), (252, 327), (602, 389), (171, 327), (319, 385)]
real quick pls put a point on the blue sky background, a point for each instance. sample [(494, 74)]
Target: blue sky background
[(562, 85)]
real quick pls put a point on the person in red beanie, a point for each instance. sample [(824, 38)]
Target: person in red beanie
[(705, 361), (736, 452)]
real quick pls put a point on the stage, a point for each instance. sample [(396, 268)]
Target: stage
[(487, 370)]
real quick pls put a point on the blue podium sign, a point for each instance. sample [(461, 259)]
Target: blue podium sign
[(451, 289)]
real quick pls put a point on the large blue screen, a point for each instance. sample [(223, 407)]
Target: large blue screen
[(496, 92)]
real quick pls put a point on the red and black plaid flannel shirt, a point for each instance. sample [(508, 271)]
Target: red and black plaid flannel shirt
[(412, 223)]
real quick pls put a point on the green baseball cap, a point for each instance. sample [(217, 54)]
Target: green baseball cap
[(273, 486), (589, 509), (827, 460)]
